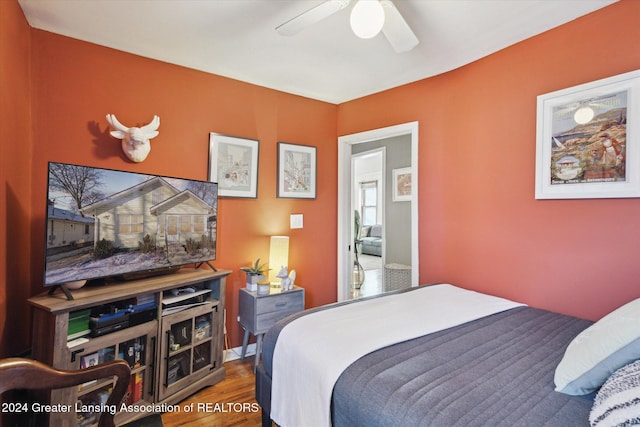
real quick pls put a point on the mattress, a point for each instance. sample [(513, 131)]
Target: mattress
[(497, 370)]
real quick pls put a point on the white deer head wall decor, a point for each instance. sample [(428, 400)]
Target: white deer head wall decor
[(135, 140)]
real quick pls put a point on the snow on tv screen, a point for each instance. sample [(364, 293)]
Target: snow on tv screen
[(106, 223)]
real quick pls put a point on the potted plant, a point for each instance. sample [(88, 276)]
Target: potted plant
[(358, 271), (255, 274)]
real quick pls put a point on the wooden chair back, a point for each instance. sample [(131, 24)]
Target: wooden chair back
[(26, 374)]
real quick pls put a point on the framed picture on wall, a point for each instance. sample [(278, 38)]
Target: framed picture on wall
[(296, 171), (585, 147), (233, 164), (401, 180)]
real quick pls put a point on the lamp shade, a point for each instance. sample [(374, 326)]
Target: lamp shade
[(278, 256), (367, 18)]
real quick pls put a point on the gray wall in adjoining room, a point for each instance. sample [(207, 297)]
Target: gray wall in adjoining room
[(397, 214)]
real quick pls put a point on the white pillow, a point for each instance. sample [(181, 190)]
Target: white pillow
[(618, 401), (604, 347)]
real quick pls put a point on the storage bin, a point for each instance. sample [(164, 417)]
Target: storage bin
[(396, 276)]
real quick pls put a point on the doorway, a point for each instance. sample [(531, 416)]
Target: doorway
[(345, 201), (368, 203)]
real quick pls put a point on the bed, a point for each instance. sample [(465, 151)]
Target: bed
[(496, 369)]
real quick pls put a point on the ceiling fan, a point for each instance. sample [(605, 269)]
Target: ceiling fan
[(368, 18)]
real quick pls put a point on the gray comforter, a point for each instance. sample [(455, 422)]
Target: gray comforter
[(494, 371)]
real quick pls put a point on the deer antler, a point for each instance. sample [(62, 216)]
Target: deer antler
[(151, 127), (120, 129)]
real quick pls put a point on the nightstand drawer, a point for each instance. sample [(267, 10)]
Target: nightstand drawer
[(283, 302), (259, 312), (265, 321)]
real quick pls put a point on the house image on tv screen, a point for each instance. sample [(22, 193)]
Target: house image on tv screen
[(156, 215), (66, 229)]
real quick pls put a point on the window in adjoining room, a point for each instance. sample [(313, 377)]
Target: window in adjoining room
[(369, 198)]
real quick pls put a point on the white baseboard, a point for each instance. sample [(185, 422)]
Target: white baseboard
[(234, 353)]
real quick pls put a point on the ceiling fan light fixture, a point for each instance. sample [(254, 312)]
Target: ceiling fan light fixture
[(367, 18)]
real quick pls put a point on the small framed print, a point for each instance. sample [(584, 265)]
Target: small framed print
[(296, 171), (233, 164), (401, 179), (585, 146), (89, 360)]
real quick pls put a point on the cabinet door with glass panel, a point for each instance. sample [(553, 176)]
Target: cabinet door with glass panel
[(187, 353), (135, 345)]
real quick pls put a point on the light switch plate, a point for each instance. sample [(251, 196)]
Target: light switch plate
[(296, 221)]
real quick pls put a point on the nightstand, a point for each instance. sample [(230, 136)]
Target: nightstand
[(259, 312)]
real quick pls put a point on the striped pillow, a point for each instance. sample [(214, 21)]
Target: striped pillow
[(618, 400)]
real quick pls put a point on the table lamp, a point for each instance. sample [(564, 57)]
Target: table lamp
[(278, 257)]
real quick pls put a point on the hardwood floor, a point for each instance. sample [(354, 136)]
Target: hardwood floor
[(231, 402)]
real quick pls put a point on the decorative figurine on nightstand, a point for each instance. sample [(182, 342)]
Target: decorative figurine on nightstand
[(286, 279)]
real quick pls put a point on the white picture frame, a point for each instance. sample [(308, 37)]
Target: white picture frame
[(233, 164), (586, 145), (401, 180)]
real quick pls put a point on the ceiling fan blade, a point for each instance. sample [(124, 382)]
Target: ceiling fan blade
[(311, 16), (397, 30)]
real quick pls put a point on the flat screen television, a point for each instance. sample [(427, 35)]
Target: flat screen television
[(104, 223)]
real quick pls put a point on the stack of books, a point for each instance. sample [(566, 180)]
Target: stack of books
[(78, 324)]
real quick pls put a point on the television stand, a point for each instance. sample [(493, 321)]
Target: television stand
[(64, 289), (161, 372)]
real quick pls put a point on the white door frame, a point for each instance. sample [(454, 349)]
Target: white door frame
[(344, 199)]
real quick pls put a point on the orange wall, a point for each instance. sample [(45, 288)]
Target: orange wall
[(15, 178), (480, 226), (77, 83)]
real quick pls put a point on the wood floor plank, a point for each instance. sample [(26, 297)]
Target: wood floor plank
[(230, 403)]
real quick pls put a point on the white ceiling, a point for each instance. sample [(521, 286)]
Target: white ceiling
[(237, 38)]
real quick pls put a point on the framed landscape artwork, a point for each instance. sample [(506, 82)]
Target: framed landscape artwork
[(585, 147), (233, 164), (296, 171)]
